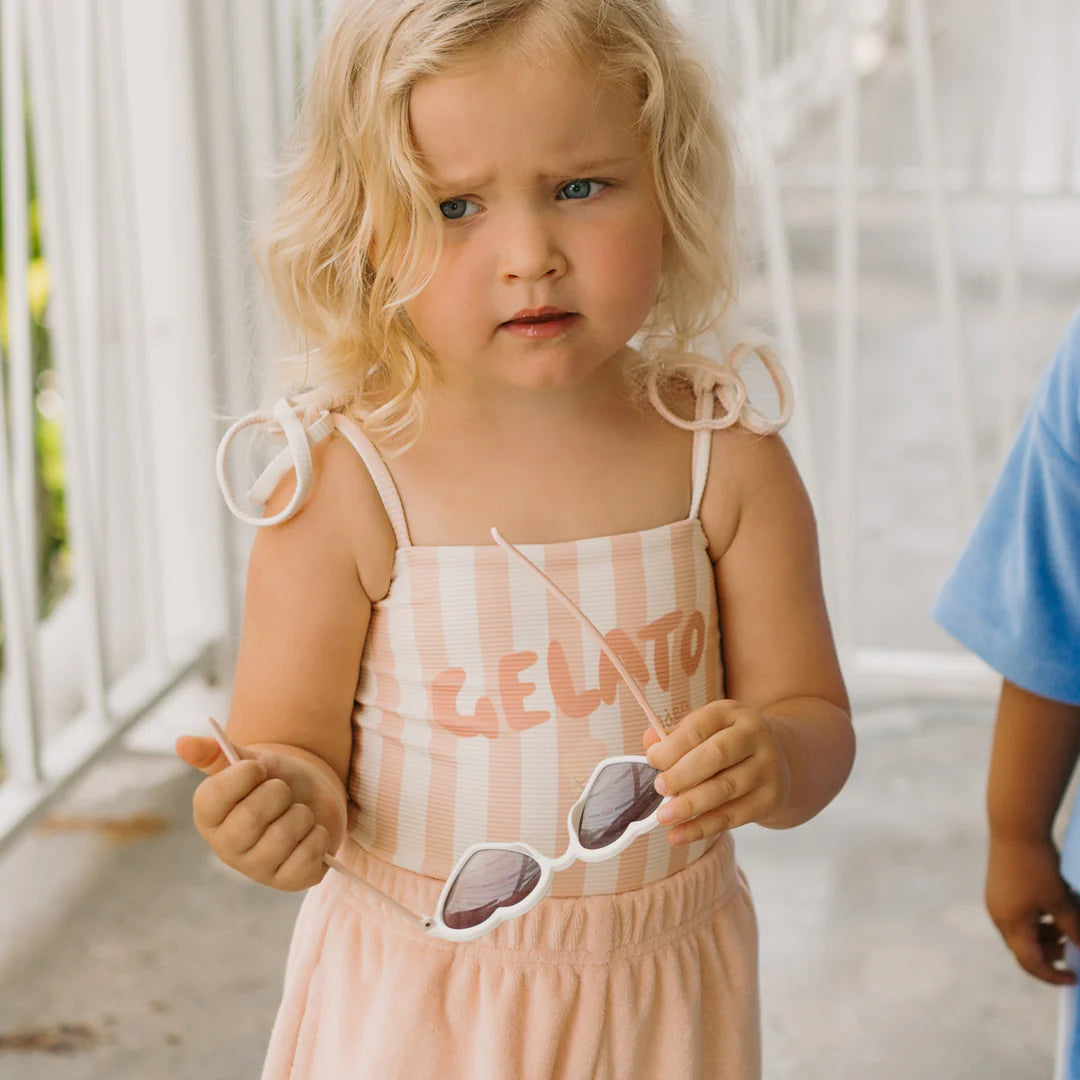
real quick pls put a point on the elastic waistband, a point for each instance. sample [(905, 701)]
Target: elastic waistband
[(582, 929)]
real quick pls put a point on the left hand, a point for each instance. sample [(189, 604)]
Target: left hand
[(723, 766)]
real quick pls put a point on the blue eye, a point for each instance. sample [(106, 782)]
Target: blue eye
[(454, 209), (578, 189)]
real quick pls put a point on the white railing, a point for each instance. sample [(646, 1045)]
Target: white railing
[(1019, 148), (144, 610)]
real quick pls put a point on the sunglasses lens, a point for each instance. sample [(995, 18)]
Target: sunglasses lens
[(490, 880), (622, 794)]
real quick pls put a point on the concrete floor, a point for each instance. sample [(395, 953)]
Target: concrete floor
[(877, 960)]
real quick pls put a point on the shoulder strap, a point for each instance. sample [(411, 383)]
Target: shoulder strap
[(723, 381), (380, 475), (702, 448), (302, 431)]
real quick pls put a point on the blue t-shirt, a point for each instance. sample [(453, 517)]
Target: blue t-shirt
[(1014, 596)]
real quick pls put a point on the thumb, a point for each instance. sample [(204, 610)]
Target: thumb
[(206, 754)]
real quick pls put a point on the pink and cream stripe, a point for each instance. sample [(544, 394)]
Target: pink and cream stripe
[(482, 707)]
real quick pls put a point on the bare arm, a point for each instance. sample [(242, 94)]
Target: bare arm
[(784, 736), (306, 615), (1036, 745)]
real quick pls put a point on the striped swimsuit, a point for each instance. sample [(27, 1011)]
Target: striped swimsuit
[(482, 707), (480, 711)]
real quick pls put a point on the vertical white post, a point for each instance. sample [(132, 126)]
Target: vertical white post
[(67, 336), (250, 54), (1070, 107), (20, 729), (123, 225), (776, 241), (308, 36), (16, 261), (945, 265), (216, 141), (88, 282), (285, 57), (844, 533), (1011, 253), (177, 253)]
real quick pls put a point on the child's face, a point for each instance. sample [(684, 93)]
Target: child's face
[(548, 202)]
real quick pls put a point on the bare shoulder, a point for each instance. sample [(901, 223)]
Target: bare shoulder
[(307, 608), (751, 477), (342, 522), (764, 547)]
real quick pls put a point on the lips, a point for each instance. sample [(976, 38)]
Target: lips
[(539, 315), (546, 327)]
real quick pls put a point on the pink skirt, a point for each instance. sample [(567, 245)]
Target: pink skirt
[(656, 982)]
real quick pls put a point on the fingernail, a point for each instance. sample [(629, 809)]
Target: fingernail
[(666, 814), (660, 786)]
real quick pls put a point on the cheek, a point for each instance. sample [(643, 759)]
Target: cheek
[(444, 310), (630, 257)]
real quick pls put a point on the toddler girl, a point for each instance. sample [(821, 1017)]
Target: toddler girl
[(490, 200)]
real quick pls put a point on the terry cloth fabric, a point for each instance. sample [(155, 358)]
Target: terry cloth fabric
[(1014, 596), (656, 982)]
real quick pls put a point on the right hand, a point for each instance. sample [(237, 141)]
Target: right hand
[(1032, 906), (257, 815)]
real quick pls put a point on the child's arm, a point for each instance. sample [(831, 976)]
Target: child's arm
[(780, 748), (1013, 598), (1036, 744), (306, 614)]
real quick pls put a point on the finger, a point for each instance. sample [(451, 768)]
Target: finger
[(1026, 947), (716, 754), (731, 815), (204, 754), (249, 819), (216, 796), (694, 728), (212, 754), (304, 865), (1051, 940), (1052, 944), (650, 736), (278, 840), (1067, 918), (717, 790)]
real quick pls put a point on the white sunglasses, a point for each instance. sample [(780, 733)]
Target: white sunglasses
[(492, 883)]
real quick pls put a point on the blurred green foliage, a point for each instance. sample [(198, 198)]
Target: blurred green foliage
[(52, 556)]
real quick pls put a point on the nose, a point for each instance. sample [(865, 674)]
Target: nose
[(530, 248)]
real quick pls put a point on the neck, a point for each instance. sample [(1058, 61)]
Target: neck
[(461, 400)]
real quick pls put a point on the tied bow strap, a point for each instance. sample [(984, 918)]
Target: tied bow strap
[(305, 422), (730, 390)]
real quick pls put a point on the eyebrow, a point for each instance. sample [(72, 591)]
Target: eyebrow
[(582, 168)]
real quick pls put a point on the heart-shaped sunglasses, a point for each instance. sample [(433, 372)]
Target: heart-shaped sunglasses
[(491, 883)]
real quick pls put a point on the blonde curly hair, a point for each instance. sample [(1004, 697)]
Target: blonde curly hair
[(358, 230)]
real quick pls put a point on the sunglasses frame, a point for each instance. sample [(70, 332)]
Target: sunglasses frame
[(434, 925), (575, 852)]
